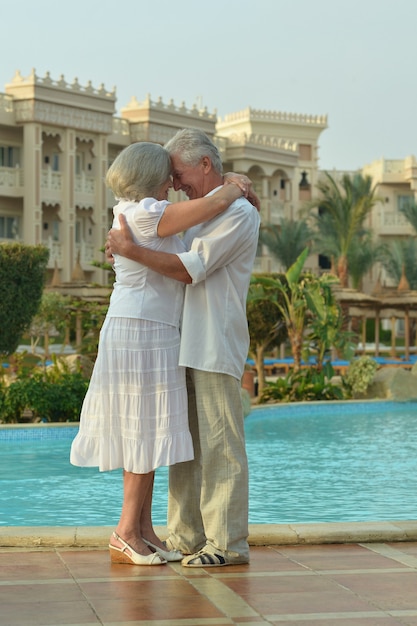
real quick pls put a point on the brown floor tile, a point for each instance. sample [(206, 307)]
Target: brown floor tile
[(125, 589), (48, 592), (31, 566), (347, 557), (305, 585), (299, 602), (154, 608), (408, 547), (388, 590), (271, 559), (47, 614), (158, 599), (279, 584), (352, 621)]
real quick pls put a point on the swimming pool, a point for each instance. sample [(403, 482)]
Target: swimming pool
[(309, 462)]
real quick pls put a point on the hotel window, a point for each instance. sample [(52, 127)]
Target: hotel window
[(55, 162), (305, 152), (79, 163), (9, 227), (78, 231), (55, 230), (403, 202), (9, 156)]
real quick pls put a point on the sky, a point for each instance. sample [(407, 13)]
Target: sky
[(352, 60)]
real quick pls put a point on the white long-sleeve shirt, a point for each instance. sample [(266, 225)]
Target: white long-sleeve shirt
[(221, 252)]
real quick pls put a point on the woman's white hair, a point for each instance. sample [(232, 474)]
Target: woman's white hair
[(139, 171)]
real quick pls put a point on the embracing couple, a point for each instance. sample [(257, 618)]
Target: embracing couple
[(166, 385)]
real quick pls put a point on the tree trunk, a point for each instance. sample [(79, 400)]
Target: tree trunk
[(342, 271), (259, 361), (296, 349)]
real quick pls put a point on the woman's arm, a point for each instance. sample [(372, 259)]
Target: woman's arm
[(239, 179), (120, 241), (180, 216)]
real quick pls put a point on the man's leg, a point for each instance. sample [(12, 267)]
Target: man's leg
[(224, 486), (185, 526)]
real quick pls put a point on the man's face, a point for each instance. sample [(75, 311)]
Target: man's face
[(189, 178)]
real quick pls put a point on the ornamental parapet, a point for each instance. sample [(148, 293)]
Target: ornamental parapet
[(120, 126), (6, 103), (393, 166), (258, 115), (407, 167), (265, 141), (170, 108), (61, 93), (33, 79)]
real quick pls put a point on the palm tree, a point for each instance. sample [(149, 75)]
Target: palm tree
[(362, 255), (343, 208), (399, 255), (308, 308), (286, 241), (410, 212)]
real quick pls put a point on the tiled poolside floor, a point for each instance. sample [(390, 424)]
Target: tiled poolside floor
[(367, 584)]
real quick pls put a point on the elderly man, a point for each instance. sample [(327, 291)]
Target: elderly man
[(208, 497)]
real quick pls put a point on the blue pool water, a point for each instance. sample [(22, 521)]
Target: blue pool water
[(318, 462)]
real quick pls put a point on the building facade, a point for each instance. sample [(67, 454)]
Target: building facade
[(57, 140)]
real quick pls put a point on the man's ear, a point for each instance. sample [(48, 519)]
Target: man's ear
[(206, 163)]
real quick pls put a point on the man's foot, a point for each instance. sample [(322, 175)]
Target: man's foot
[(171, 546), (205, 558)]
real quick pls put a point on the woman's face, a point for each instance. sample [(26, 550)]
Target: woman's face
[(163, 192)]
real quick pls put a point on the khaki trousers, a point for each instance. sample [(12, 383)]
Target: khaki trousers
[(208, 497)]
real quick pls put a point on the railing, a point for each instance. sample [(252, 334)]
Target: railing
[(50, 180), (84, 184), (55, 252), (6, 103), (88, 253), (11, 177)]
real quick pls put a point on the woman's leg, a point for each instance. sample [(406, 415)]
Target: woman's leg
[(137, 493), (146, 525)]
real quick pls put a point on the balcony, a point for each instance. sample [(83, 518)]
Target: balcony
[(55, 253), (85, 188), (51, 186), (11, 182), (87, 254), (86, 251), (393, 223)]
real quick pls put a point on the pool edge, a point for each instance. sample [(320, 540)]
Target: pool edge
[(259, 534)]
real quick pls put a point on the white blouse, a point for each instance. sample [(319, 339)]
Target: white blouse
[(139, 292)]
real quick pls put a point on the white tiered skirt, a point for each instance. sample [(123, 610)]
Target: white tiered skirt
[(134, 414)]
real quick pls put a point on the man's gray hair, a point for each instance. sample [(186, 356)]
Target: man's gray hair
[(191, 145)]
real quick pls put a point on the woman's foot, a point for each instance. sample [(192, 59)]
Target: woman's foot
[(123, 552), (168, 555)]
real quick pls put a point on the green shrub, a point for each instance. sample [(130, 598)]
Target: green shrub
[(360, 374), (52, 394), (22, 278), (306, 384)]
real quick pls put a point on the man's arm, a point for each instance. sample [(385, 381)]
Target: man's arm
[(121, 242)]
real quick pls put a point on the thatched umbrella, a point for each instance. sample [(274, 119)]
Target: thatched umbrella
[(396, 305), (358, 304)]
